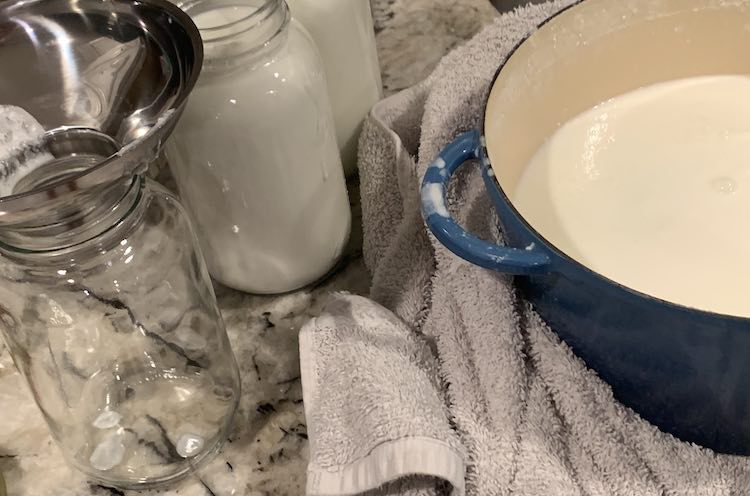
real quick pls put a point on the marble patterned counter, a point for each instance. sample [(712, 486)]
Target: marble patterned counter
[(267, 451)]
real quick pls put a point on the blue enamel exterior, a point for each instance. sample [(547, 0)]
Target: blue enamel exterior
[(684, 370)]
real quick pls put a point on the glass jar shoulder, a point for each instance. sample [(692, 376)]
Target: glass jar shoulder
[(148, 261), (152, 246), (292, 69)]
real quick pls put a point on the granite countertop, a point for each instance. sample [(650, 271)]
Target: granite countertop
[(267, 451)]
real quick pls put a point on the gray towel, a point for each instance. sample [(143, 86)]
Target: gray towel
[(529, 418), (21, 147), (374, 404)]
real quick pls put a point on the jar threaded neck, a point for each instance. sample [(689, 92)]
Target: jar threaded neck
[(233, 30), (89, 215)]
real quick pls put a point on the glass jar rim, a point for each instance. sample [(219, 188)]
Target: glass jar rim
[(259, 13), (131, 200)]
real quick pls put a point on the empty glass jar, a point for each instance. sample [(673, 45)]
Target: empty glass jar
[(109, 313)]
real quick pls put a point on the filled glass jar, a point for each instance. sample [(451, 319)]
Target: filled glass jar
[(343, 32), (255, 156)]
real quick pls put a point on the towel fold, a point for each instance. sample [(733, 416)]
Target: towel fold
[(387, 404), (21, 147), (448, 355)]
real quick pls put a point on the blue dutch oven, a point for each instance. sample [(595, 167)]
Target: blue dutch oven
[(686, 371)]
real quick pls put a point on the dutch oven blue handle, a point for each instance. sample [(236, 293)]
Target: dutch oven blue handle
[(467, 246)]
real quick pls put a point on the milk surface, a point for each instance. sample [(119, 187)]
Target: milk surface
[(652, 190)]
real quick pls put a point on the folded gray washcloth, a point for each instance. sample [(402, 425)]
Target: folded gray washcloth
[(374, 405), (529, 418)]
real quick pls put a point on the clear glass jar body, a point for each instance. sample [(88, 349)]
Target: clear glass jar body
[(343, 31), (121, 341), (254, 154)]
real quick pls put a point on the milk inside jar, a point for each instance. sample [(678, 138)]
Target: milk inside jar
[(343, 32), (651, 189), (255, 154)]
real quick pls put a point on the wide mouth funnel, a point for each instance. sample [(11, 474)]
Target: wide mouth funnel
[(102, 82)]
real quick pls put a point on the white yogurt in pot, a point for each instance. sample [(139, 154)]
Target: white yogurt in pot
[(652, 190)]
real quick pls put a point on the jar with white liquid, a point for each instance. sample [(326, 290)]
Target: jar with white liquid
[(254, 154), (343, 31)]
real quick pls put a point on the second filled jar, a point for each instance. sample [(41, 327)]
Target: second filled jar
[(255, 156)]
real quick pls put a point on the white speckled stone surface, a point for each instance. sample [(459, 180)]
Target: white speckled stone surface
[(413, 35), (267, 451)]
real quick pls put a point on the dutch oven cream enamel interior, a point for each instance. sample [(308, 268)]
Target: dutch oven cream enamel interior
[(597, 50), (600, 49)]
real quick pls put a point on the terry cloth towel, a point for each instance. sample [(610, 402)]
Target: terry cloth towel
[(451, 373), (21, 147)]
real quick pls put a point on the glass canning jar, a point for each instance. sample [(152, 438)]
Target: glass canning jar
[(344, 33), (108, 311), (254, 154)]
